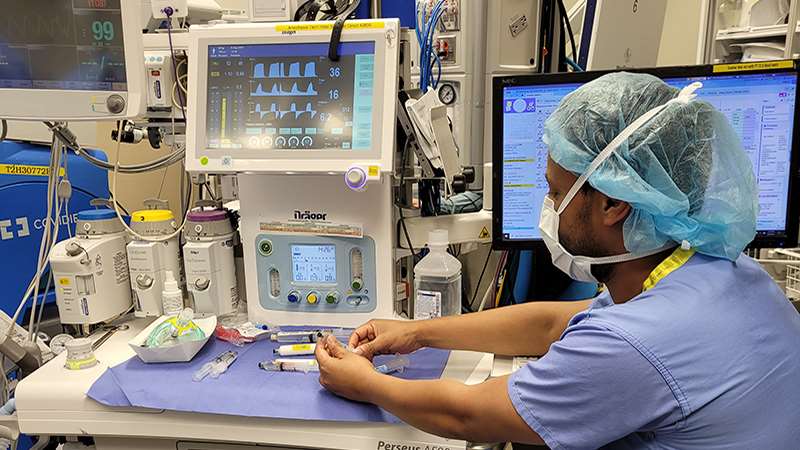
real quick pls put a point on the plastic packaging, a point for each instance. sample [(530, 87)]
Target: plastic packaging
[(180, 328), (216, 366), (171, 296), (290, 365), (245, 333), (437, 280), (9, 408), (397, 364)]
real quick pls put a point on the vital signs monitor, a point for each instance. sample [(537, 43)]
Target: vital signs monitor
[(261, 102), (760, 104), (71, 59)]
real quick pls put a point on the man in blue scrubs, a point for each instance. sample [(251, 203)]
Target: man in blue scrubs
[(691, 345)]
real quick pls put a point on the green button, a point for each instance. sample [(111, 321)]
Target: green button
[(332, 298), (265, 248), (357, 284)]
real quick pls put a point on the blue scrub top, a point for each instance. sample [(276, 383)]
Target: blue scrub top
[(706, 359)]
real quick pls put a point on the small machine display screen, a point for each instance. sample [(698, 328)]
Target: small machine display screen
[(314, 263), (290, 97), (72, 45)]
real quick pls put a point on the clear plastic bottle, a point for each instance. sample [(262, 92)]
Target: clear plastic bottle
[(171, 296), (729, 14), (745, 13), (437, 280)]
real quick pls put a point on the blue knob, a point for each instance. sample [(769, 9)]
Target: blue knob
[(294, 297)]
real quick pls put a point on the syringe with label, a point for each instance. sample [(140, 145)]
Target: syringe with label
[(309, 337), (296, 350)]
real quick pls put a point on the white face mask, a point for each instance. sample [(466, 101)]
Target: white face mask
[(580, 267)]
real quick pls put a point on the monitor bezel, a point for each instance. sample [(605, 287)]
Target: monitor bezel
[(762, 240), (200, 158), (74, 105)]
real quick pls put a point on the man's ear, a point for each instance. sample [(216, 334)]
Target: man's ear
[(614, 211)]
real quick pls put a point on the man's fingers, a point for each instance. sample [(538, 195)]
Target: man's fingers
[(321, 354), (363, 333), (366, 350), (334, 347)]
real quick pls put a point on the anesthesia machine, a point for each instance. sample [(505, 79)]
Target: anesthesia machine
[(313, 145)]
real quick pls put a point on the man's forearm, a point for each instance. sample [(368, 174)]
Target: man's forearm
[(479, 413), (527, 329), (435, 407)]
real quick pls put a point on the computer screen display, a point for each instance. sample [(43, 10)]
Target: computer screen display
[(759, 106), (62, 45), (290, 97)]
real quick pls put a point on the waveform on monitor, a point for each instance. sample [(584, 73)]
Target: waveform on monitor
[(276, 112), (278, 70), (278, 91)]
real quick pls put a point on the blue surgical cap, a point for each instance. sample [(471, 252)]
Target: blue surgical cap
[(684, 172)]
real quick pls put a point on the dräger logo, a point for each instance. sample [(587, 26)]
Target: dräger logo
[(308, 215), (382, 445)]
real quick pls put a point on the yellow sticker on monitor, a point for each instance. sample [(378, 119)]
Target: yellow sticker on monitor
[(311, 26), (374, 171), (746, 67)]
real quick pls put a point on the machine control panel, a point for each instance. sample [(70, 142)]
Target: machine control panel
[(316, 273)]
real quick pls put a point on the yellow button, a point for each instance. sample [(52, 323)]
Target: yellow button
[(312, 298)]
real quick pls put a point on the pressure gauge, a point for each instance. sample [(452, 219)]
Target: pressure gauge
[(59, 342), (447, 94)]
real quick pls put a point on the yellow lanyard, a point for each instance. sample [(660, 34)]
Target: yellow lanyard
[(674, 261)]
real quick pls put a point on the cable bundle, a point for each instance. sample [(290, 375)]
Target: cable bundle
[(428, 56)]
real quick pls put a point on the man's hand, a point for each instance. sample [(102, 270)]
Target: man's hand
[(385, 337), (344, 373)]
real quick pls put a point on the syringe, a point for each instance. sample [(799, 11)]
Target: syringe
[(309, 337), (397, 364), (216, 366), (296, 350), (290, 365)]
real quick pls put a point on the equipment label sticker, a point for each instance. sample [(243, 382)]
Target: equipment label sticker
[(28, 171), (313, 228), (294, 28), (743, 67), (121, 270), (428, 305)]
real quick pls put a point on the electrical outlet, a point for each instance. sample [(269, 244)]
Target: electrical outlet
[(451, 16), (518, 25), (446, 49)]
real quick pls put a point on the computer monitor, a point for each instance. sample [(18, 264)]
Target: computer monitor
[(761, 104), (71, 59), (268, 98)]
